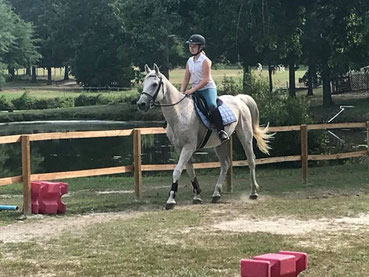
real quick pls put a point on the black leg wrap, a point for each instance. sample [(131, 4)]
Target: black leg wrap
[(174, 188), (196, 186)]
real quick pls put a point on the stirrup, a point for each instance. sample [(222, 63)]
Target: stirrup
[(223, 136)]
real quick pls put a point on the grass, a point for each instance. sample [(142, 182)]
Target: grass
[(182, 242), (47, 94), (15, 89)]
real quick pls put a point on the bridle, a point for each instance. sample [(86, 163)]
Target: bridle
[(156, 93)]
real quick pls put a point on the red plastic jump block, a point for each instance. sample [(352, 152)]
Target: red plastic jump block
[(280, 264), (300, 259), (255, 268), (283, 264), (46, 197)]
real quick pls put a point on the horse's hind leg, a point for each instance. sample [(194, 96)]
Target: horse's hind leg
[(245, 137), (222, 152), (195, 184)]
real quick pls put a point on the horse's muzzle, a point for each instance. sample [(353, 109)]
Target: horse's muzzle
[(142, 106)]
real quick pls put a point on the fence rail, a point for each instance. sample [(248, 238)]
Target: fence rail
[(137, 167)]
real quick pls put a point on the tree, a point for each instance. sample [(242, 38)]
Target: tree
[(42, 15), (101, 57), (336, 39), (17, 47), (153, 31)]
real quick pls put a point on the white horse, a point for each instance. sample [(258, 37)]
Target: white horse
[(186, 132)]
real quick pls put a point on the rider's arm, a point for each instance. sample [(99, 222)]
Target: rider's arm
[(206, 65), (186, 79)]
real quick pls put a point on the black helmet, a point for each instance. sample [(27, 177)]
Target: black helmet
[(196, 39)]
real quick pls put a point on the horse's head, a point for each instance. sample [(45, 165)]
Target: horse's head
[(152, 89)]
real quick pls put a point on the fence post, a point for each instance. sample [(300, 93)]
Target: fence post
[(137, 162), (304, 153), (367, 140), (230, 169), (26, 175)]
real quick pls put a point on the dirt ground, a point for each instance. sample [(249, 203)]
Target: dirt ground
[(45, 227)]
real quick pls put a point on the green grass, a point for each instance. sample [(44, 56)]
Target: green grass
[(45, 94), (17, 88), (154, 242)]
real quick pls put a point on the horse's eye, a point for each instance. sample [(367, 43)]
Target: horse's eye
[(154, 84)]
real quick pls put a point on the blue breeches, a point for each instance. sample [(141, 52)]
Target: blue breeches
[(210, 95)]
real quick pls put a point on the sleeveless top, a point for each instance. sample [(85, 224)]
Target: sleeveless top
[(195, 68)]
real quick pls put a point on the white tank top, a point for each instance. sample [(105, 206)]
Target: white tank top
[(195, 68)]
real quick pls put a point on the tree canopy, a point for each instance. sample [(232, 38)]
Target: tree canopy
[(17, 45), (102, 40)]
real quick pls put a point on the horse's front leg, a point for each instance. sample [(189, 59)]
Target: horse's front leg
[(195, 184), (185, 155)]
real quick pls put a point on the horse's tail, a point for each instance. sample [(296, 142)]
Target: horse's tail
[(260, 133)]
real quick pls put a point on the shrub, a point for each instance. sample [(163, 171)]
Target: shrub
[(52, 103), (85, 100), (278, 109), (24, 102), (5, 104), (229, 86)]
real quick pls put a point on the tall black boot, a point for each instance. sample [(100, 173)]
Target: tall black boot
[(217, 120)]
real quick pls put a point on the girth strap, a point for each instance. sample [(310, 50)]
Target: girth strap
[(206, 138)]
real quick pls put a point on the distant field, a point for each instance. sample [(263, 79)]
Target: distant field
[(40, 90), (15, 93)]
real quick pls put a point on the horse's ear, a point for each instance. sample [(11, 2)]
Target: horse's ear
[(156, 68), (147, 69)]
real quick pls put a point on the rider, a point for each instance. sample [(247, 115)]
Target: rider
[(198, 69)]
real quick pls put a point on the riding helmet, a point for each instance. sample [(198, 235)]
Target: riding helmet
[(196, 39)]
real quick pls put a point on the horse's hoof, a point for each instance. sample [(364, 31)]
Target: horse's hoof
[(215, 199), (253, 196), (170, 206), (196, 201)]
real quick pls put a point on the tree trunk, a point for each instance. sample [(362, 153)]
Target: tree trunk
[(49, 79), (165, 67), (28, 71), (34, 76), (311, 74), (327, 96), (11, 72), (66, 73), (270, 72), (291, 73), (246, 78)]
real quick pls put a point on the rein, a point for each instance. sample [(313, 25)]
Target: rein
[(153, 98)]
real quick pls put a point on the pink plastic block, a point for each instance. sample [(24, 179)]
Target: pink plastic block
[(254, 268), (46, 197), (300, 260), (281, 265)]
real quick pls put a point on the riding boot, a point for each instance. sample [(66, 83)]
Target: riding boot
[(217, 120)]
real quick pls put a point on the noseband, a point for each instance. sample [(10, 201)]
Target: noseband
[(155, 95)]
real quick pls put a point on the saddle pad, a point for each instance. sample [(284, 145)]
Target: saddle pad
[(228, 116)]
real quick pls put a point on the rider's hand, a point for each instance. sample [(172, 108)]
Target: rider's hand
[(189, 91)]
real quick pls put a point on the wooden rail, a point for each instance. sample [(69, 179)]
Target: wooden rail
[(138, 167)]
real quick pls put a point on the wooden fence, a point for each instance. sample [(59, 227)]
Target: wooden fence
[(26, 178)]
